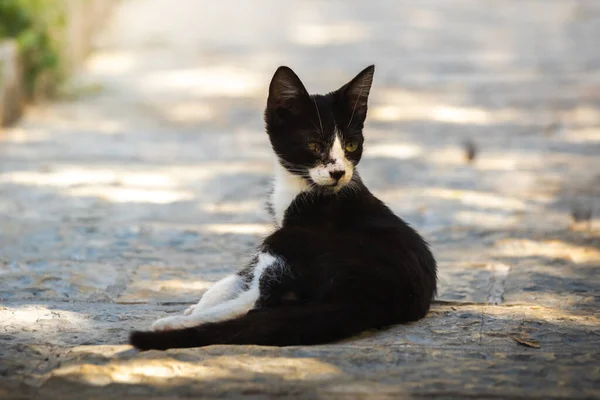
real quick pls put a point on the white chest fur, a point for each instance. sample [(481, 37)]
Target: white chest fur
[(286, 187)]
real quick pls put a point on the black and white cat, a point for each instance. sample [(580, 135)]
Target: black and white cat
[(339, 261)]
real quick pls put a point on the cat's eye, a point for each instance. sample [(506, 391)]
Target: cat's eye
[(351, 146), (314, 147)]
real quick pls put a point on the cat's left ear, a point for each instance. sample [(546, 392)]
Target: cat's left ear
[(355, 94), (286, 91)]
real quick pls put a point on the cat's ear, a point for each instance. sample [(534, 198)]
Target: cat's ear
[(286, 91), (355, 94)]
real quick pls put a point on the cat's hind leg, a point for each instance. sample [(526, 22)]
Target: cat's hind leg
[(240, 304), (230, 309), (222, 291)]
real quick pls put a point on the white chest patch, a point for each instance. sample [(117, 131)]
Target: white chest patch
[(286, 187)]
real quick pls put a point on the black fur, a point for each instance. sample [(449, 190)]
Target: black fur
[(350, 263)]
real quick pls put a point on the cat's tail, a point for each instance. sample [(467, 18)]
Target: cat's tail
[(305, 324)]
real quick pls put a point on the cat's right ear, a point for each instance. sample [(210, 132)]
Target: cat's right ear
[(286, 92)]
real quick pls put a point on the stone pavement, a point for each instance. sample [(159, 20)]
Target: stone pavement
[(125, 200)]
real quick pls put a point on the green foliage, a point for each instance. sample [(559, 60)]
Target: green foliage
[(35, 25)]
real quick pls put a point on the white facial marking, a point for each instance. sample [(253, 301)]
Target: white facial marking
[(230, 308), (321, 174)]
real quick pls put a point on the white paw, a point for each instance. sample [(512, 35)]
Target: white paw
[(170, 323), (190, 310)]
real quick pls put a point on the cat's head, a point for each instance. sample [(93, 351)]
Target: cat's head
[(318, 137)]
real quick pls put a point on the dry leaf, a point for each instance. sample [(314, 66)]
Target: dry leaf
[(527, 342)]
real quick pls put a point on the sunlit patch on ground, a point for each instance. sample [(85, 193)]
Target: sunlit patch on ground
[(548, 248), (328, 34), (171, 371)]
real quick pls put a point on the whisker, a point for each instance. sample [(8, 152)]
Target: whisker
[(319, 115), (313, 124)]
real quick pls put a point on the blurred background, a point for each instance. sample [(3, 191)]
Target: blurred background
[(138, 169)]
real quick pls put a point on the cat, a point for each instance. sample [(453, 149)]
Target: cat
[(339, 261)]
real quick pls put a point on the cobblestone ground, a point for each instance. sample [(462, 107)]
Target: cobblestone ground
[(125, 200)]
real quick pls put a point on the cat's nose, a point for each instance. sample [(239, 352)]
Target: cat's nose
[(337, 175)]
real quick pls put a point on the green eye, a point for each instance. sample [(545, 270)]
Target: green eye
[(351, 146), (314, 147)]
